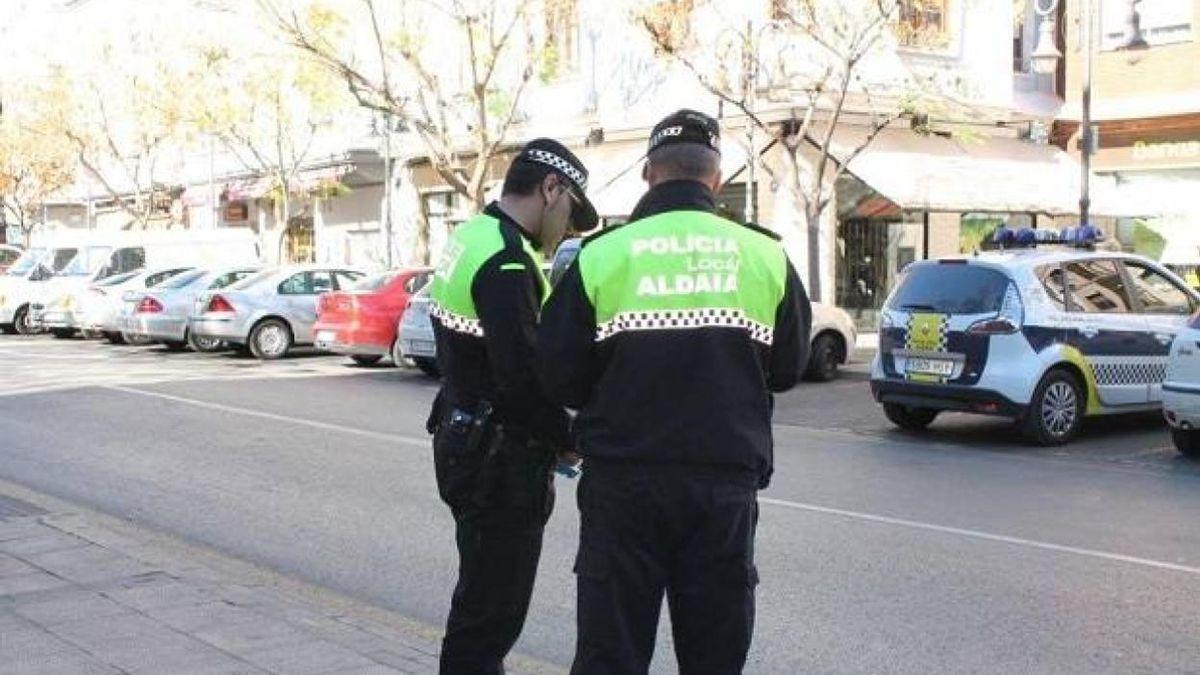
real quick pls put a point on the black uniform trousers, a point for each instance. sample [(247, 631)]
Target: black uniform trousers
[(500, 505), (646, 530)]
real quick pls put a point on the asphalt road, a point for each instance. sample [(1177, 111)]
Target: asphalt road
[(958, 551)]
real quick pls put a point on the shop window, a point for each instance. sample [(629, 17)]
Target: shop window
[(871, 257), (923, 23), (560, 52), (298, 241)]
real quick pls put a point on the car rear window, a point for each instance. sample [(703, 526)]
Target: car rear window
[(182, 280), (251, 280), (950, 288)]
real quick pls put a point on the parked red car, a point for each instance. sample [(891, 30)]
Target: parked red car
[(361, 323)]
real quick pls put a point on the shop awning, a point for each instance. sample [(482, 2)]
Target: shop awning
[(933, 173), (615, 183), (304, 182)]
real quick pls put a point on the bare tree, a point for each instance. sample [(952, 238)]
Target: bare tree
[(33, 167), (795, 78), (269, 112), (452, 72)]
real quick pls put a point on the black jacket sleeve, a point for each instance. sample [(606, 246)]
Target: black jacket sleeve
[(788, 355), (506, 297), (567, 359)]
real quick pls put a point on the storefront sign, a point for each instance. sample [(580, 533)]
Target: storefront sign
[(236, 212), (1143, 151)]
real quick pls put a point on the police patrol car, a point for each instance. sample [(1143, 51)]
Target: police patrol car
[(1046, 335)]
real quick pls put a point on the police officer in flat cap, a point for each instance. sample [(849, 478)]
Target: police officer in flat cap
[(496, 434), (669, 334)]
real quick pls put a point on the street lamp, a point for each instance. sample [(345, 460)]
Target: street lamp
[(1045, 59)]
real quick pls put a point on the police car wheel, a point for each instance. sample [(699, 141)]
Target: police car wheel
[(366, 359), (824, 359), (1187, 442), (114, 338), (8, 329), (908, 418), (175, 345), (1056, 410), (62, 333)]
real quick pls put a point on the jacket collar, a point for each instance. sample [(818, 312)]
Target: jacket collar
[(675, 195), (506, 220)]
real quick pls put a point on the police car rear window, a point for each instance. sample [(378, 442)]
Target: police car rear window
[(950, 289)]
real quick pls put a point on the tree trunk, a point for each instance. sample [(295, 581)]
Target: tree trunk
[(420, 253), (813, 221)]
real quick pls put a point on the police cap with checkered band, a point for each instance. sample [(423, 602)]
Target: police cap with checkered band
[(686, 126), (564, 162)]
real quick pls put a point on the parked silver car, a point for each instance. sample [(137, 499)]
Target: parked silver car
[(415, 335), (161, 313), (271, 312), (105, 317)]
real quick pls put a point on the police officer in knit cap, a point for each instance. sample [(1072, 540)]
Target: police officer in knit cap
[(668, 334), (496, 434)]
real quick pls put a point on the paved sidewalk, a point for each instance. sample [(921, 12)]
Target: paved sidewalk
[(85, 593)]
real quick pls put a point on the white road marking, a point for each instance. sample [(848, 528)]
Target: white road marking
[(326, 426), (986, 536)]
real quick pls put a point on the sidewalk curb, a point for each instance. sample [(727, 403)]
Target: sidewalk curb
[(150, 563)]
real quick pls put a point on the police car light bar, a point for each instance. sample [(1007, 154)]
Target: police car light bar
[(1084, 236)]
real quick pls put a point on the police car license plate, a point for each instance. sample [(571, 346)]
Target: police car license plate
[(920, 366)]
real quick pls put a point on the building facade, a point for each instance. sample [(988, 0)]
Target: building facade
[(1146, 115)]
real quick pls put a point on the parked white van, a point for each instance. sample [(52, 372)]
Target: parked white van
[(106, 254), (26, 280)]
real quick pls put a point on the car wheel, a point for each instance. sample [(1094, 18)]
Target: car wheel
[(23, 323), (8, 329), (428, 366), (62, 333), (366, 359), (204, 345), (114, 338), (1187, 442), (909, 418), (1056, 411), (175, 345), (270, 339), (823, 360)]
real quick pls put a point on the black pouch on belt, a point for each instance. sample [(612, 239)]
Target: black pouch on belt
[(460, 442)]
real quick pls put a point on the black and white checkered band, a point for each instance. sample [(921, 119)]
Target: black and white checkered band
[(685, 319), (1129, 371), (559, 163), (455, 322)]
